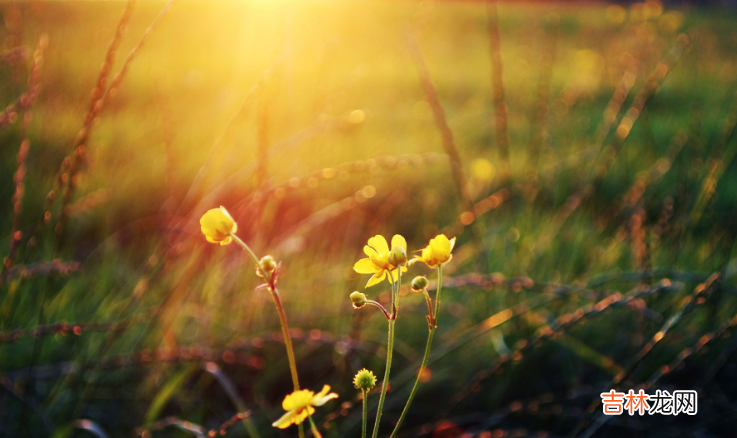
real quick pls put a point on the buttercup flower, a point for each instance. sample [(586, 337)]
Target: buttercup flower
[(377, 262), (438, 252), (217, 224), (300, 404)]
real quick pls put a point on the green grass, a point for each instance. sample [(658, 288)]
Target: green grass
[(172, 303)]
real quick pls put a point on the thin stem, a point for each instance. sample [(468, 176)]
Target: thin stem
[(315, 432), (430, 335), (377, 304), (417, 382), (365, 413), (282, 318), (437, 295), (430, 318), (287, 338), (389, 351), (250, 252)]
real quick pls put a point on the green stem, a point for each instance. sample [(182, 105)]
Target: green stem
[(287, 337), (250, 252), (282, 319), (315, 432), (365, 413), (425, 358), (389, 351)]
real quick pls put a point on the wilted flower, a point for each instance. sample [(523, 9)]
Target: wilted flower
[(300, 404), (378, 261), (438, 252), (217, 225)]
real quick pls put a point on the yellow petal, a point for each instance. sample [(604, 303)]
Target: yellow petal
[(322, 397), (226, 213), (301, 415), (440, 245), (452, 243), (376, 279), (285, 420), (226, 241), (369, 251), (398, 240), (366, 266), (379, 244), (297, 400)]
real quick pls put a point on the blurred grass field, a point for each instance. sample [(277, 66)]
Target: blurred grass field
[(602, 248)]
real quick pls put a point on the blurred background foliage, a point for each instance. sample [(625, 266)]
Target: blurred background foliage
[(584, 259)]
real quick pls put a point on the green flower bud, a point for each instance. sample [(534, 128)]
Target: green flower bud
[(420, 282), (358, 299), (364, 380), (398, 256), (267, 264)]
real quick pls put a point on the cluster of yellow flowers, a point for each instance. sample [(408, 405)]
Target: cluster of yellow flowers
[(382, 262)]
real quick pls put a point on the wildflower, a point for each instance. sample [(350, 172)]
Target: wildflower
[(379, 262), (420, 282), (438, 252), (364, 380), (217, 225), (300, 404), (358, 299)]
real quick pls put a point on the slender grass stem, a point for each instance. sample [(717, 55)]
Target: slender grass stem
[(389, 351), (282, 319), (365, 413), (426, 356), (315, 432)]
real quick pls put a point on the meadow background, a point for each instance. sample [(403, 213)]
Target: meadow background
[(599, 251)]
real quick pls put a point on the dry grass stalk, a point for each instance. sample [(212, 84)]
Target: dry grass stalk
[(431, 95)]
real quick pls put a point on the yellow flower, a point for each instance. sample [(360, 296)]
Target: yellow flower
[(377, 262), (217, 225), (300, 404), (438, 252)]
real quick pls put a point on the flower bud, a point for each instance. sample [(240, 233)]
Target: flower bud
[(364, 380), (420, 282), (267, 264), (358, 299), (398, 256)]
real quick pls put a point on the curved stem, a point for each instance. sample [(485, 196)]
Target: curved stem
[(389, 351), (430, 335), (250, 252), (365, 413), (378, 305)]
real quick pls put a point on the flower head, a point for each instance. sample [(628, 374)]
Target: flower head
[(437, 252), (217, 225), (364, 380), (378, 261), (300, 404)]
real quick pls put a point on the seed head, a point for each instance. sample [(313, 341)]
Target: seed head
[(364, 380)]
